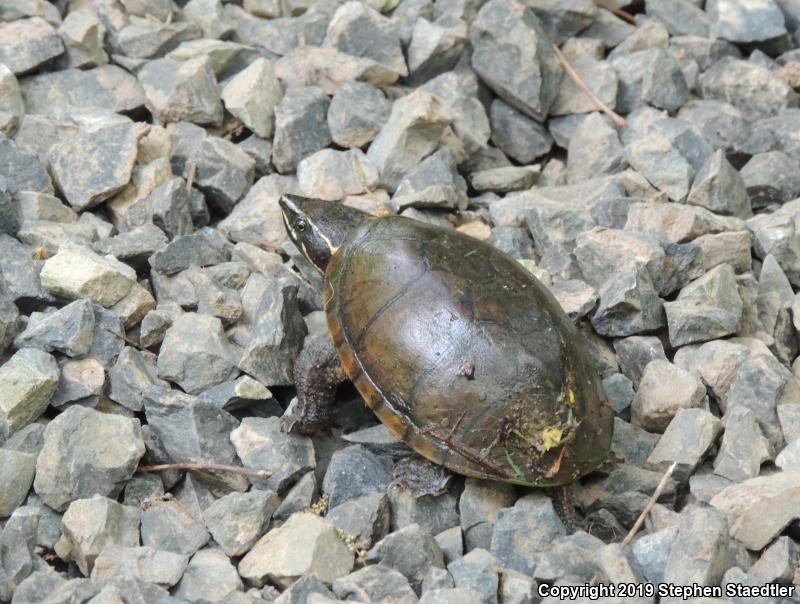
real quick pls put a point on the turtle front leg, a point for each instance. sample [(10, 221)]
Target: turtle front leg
[(317, 373), (564, 504)]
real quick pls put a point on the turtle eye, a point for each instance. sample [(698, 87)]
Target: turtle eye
[(300, 225)]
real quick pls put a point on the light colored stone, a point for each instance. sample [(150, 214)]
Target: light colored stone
[(305, 543), (252, 94)]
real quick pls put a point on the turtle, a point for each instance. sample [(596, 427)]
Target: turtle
[(455, 346)]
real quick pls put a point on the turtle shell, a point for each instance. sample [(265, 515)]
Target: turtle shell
[(464, 355)]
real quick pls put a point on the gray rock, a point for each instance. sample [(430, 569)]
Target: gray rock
[(195, 353), (435, 47), (570, 558), (652, 552), (22, 171), (168, 206), (16, 472), (81, 380), (726, 248), (192, 430), (522, 551), (355, 472), (214, 298), (517, 135), (632, 443), (455, 595), (664, 390), (413, 131), (720, 188), (761, 384), (333, 175), (608, 28), (85, 453), (594, 149), (76, 272), (305, 543), (704, 487), (68, 330), (27, 440), (168, 526), (303, 590), (687, 439), (744, 448), (261, 445), (451, 542), (260, 150), (299, 497), (774, 233), (9, 323), (242, 392), (433, 183), (276, 337), (202, 248), (376, 583), (104, 88), (704, 531), (789, 417), (29, 379), (143, 488), (707, 308), (649, 76), (17, 543), (83, 35), (680, 17), (789, 457), (629, 304), (634, 354), (657, 159), (181, 90), (108, 336), (143, 38), (361, 31), (505, 179), (777, 563), (10, 213), (599, 76), (133, 371), (459, 89), (90, 525), (133, 247), (12, 108), (301, 127), (530, 81), (743, 22), (367, 518), (210, 575), (434, 513), (770, 177), (754, 89), (411, 551), (479, 505), (759, 509), (224, 173), (356, 113), (252, 94), (477, 570), (26, 44), (237, 520), (619, 390), (142, 563)]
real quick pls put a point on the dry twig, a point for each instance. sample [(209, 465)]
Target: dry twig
[(190, 176), (618, 120), (624, 15), (656, 494), (217, 467)]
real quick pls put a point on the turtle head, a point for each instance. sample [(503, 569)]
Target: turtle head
[(318, 228)]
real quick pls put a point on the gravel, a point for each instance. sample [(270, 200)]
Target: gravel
[(152, 308)]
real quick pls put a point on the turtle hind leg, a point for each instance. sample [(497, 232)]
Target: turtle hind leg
[(563, 498), (317, 373)]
